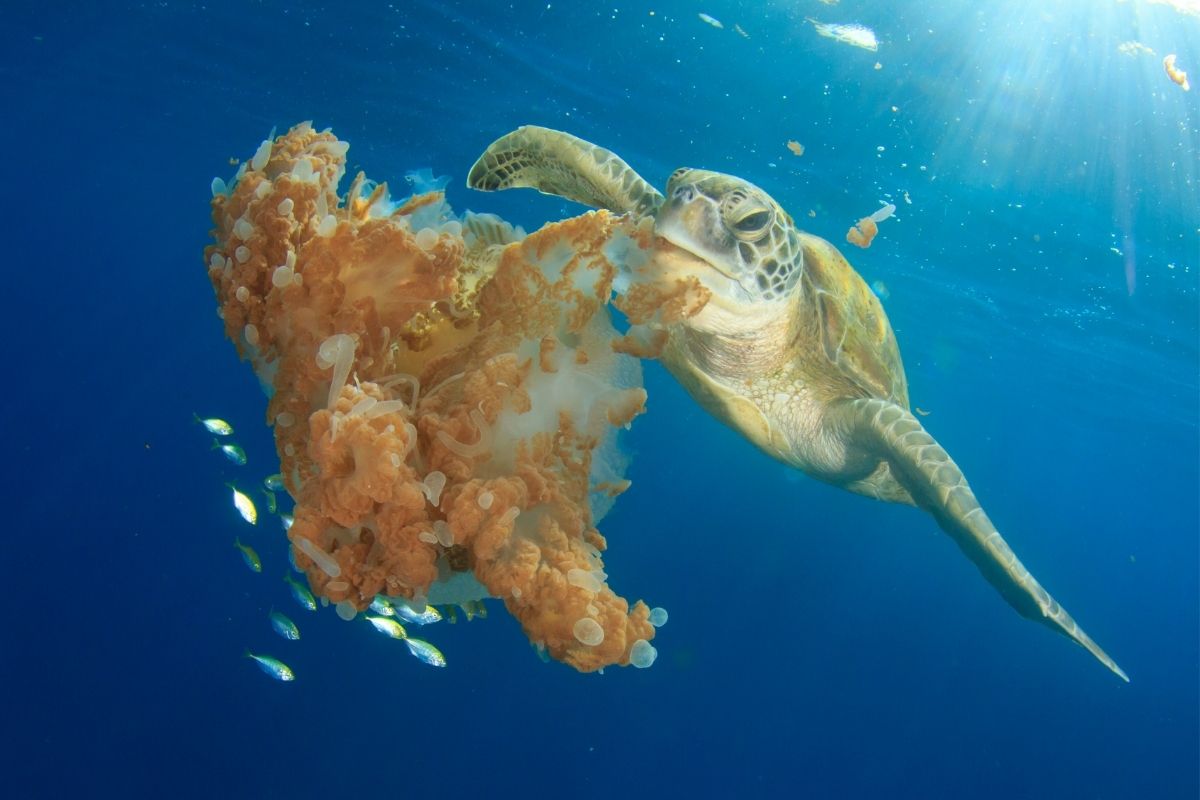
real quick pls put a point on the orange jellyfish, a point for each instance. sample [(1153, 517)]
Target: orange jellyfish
[(445, 394)]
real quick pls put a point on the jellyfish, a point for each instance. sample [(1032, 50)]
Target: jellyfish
[(445, 393)]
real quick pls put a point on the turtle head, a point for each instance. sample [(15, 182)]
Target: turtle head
[(732, 235)]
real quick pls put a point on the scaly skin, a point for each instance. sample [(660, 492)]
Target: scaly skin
[(792, 350)]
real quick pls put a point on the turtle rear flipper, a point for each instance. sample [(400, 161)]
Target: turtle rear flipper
[(937, 485), (562, 165)]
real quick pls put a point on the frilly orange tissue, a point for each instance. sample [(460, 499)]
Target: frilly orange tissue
[(445, 393)]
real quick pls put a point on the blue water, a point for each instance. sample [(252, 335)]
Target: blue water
[(820, 644)]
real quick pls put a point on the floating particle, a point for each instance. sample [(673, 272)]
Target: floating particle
[(1134, 48), (796, 148), (1174, 73), (716, 23), (864, 232), (854, 35)]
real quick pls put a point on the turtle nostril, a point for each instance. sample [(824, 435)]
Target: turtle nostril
[(684, 193)]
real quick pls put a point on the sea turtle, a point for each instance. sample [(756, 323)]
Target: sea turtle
[(792, 350)]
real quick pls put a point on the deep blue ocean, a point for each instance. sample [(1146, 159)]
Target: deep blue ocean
[(1041, 274)]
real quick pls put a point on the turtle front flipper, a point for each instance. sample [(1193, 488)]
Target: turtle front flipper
[(936, 484), (563, 165)]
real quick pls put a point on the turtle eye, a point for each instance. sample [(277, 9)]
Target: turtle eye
[(753, 223)]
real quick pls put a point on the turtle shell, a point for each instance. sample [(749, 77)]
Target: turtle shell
[(848, 320)]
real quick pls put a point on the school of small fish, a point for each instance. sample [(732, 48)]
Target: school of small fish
[(386, 613)]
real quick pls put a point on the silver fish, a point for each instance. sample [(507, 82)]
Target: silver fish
[(273, 667)]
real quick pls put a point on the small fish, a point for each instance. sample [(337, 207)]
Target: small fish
[(382, 606), (299, 591), (274, 482), (244, 505), (231, 451), (215, 426), (248, 555), (450, 614), (272, 506), (284, 626), (407, 612), (388, 627), (716, 23), (921, 411), (426, 652), (273, 667), (741, 31)]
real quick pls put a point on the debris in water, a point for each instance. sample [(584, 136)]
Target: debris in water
[(867, 227), (1134, 48), (796, 148), (855, 35), (716, 23), (1174, 73)]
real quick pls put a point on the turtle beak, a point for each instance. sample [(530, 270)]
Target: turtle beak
[(687, 222)]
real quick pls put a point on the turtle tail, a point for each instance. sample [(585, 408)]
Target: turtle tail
[(937, 485), (563, 165)]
